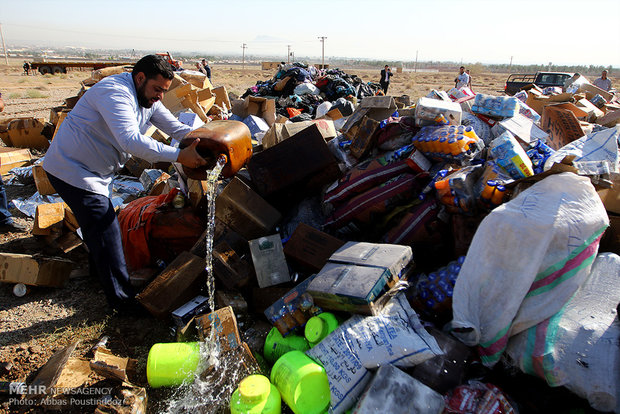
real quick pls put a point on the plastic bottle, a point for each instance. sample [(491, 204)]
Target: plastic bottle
[(487, 191), (318, 327), (302, 383), (498, 195), (20, 290), (277, 345), (172, 364), (256, 395)]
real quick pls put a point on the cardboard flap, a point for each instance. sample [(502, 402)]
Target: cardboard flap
[(562, 126), (108, 365), (381, 102)]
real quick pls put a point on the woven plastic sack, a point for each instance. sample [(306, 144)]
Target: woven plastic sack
[(527, 259)]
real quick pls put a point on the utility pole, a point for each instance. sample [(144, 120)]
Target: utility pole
[(510, 67), (288, 54), (244, 46), (6, 58), (415, 67), (322, 39)]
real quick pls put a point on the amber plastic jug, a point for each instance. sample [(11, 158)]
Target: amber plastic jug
[(229, 138)]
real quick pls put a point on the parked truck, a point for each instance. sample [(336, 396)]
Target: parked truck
[(516, 81), (56, 66)]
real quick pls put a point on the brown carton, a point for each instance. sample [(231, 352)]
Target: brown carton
[(47, 217), (13, 157), (224, 323), (27, 133), (34, 270), (175, 285), (561, 125), (44, 187), (311, 248), (244, 211)]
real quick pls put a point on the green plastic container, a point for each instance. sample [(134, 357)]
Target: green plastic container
[(256, 395), (277, 345), (318, 327), (302, 383), (172, 364)]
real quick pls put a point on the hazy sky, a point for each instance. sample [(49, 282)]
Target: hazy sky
[(487, 31)]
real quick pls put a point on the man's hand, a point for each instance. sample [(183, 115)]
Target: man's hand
[(190, 157)]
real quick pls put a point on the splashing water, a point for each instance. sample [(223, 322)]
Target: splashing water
[(212, 383)]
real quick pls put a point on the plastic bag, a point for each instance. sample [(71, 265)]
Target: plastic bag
[(527, 258), (577, 347), (598, 146), (394, 336)]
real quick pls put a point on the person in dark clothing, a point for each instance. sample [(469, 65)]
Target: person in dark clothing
[(206, 68), (386, 74), (6, 219)]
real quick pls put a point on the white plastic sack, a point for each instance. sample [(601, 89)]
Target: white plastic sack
[(527, 258), (597, 146), (322, 109), (395, 336), (578, 346), (306, 88)]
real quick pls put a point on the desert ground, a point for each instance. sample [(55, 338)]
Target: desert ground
[(33, 327)]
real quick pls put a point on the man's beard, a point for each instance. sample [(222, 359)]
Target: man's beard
[(143, 101)]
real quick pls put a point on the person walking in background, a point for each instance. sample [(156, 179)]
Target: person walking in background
[(386, 74), (97, 138), (603, 82), (469, 81), (26, 68), (206, 69), (6, 219), (462, 79)]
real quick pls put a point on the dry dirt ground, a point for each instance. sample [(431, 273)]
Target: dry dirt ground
[(33, 327)]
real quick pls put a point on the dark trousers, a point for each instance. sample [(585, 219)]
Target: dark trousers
[(102, 234), (385, 86), (5, 215)]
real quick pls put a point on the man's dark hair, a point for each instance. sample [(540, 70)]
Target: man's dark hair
[(153, 65), (462, 67)]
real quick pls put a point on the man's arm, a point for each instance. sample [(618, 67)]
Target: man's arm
[(1, 103)]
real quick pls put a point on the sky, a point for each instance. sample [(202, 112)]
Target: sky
[(563, 32)]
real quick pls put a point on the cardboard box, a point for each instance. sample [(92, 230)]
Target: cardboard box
[(561, 125), (362, 136), (255, 124), (295, 167), (326, 128), (231, 269), (244, 211), (44, 187), (13, 157), (593, 112), (339, 284), (611, 198), (610, 119), (273, 136), (393, 257), (311, 248), (27, 133), (280, 309), (374, 107), (269, 261), (174, 286), (47, 217), (224, 323), (34, 270), (61, 119), (591, 91), (522, 128), (198, 79), (108, 365), (262, 107), (221, 97)]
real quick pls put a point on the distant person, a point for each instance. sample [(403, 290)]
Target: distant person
[(26, 68), (96, 139), (206, 69), (603, 82), (7, 224), (462, 79), (469, 81), (386, 74)]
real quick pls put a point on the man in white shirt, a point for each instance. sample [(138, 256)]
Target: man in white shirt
[(603, 82), (96, 139), (462, 79)]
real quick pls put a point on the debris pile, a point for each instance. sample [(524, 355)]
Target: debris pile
[(373, 254)]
